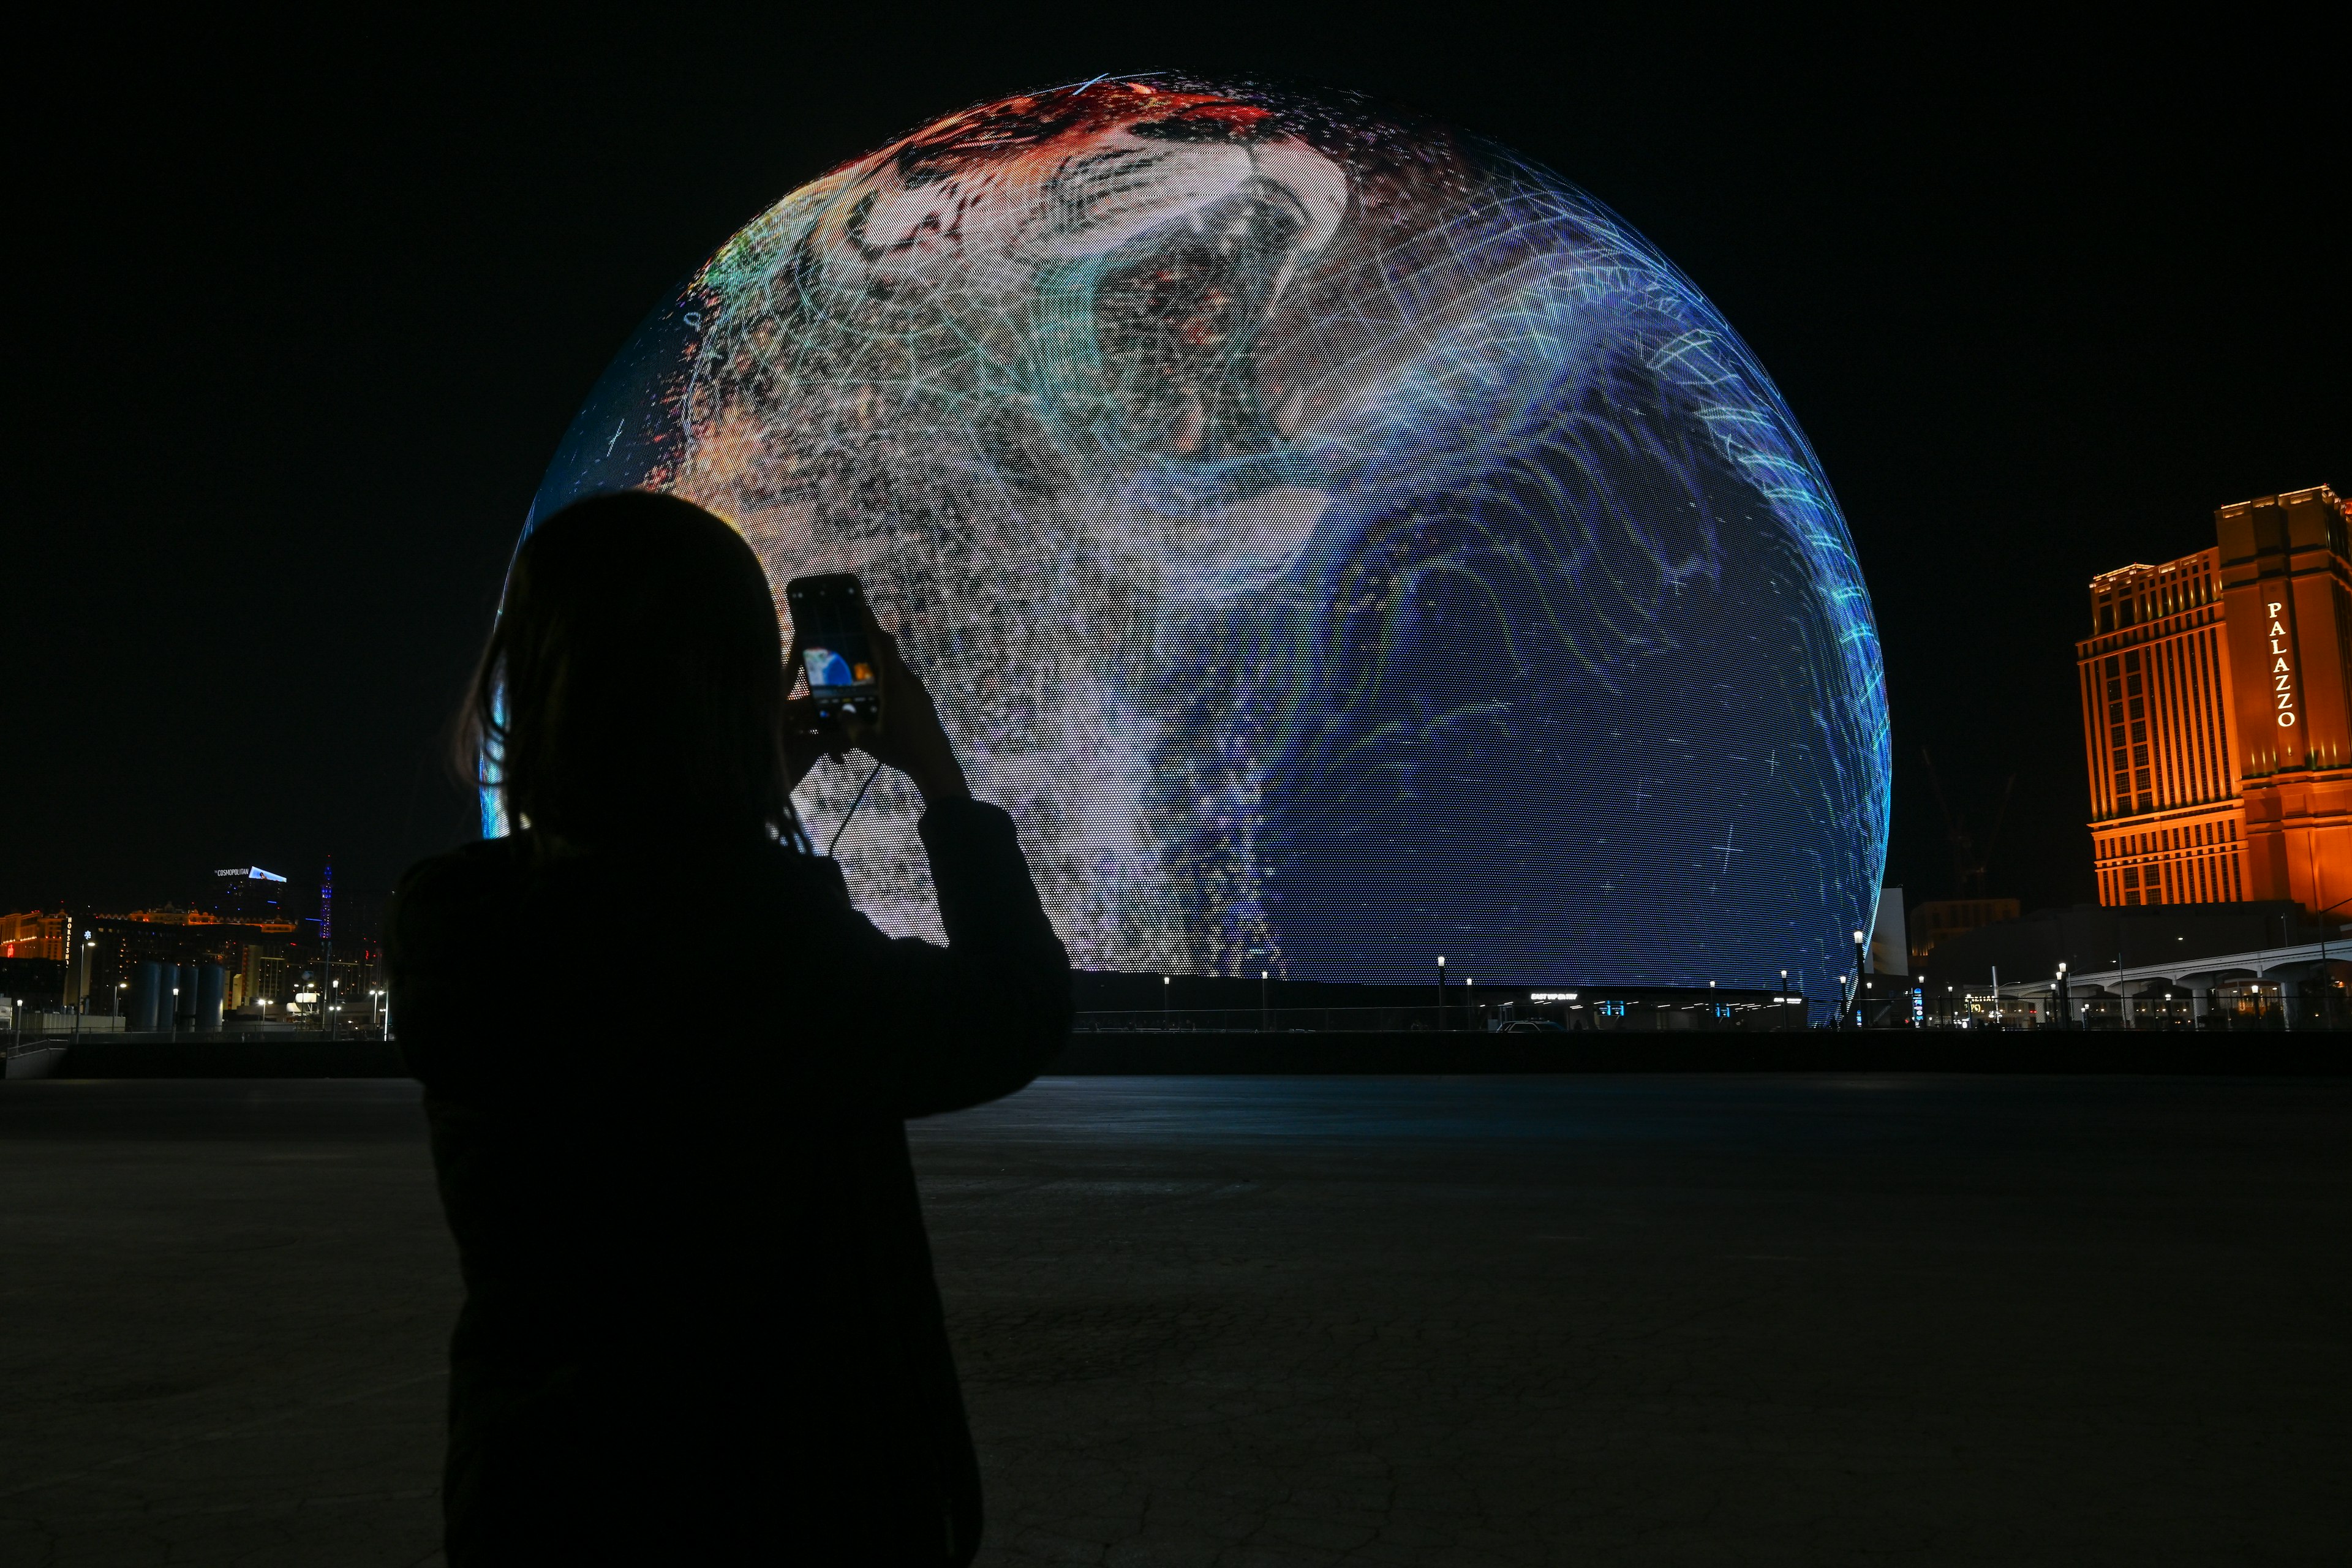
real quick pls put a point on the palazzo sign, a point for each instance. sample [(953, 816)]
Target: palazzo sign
[(2282, 672)]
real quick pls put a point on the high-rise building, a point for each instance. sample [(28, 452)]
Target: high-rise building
[(36, 934), (248, 893), (2217, 713)]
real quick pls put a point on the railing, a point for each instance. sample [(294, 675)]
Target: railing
[(1279, 1020), (1455, 1018), (2314, 1009)]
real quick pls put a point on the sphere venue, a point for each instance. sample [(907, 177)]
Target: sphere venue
[(1337, 541)]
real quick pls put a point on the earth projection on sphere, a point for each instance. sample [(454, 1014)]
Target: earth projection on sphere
[(1335, 540)]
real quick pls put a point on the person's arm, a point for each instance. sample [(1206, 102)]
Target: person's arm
[(981, 1018), (433, 940)]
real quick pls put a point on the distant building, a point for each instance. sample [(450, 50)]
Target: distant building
[(2217, 713), (1890, 946), (1940, 920), (248, 894), (36, 934), (252, 954)]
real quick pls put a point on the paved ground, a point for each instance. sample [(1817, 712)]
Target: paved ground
[(1238, 1321)]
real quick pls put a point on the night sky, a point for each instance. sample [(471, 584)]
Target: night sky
[(303, 318)]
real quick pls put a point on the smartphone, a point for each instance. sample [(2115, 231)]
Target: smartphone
[(829, 617)]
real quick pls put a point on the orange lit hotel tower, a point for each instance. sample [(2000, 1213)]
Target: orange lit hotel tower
[(2217, 713)]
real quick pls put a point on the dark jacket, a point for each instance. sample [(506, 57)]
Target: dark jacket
[(667, 1086)]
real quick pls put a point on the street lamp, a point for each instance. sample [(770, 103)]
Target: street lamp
[(2066, 1002), (1441, 993), (81, 994), (1860, 965), (1265, 1019)]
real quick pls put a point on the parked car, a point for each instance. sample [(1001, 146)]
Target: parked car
[(1531, 1026)]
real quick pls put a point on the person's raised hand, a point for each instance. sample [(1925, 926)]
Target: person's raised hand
[(804, 742), (909, 736)]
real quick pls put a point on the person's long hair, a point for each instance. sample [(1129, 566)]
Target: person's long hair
[(634, 683)]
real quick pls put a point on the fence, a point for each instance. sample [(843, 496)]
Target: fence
[(1480, 1017), (46, 1022)]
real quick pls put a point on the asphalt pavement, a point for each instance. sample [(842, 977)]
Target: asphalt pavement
[(1698, 1320)]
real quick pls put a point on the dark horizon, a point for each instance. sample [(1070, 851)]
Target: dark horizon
[(315, 320)]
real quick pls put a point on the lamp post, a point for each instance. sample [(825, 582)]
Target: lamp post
[(1165, 982), (2065, 1007), (2123, 1002), (1264, 1017), (81, 992), (1441, 993), (1861, 964)]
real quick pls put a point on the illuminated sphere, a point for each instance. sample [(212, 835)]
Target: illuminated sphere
[(1335, 540)]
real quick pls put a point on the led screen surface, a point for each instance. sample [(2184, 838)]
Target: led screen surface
[(1337, 541)]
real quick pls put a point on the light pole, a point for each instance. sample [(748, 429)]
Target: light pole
[(1165, 982), (1265, 1018), (1441, 993), (81, 993), (2066, 1004), (1860, 965), (2123, 1002)]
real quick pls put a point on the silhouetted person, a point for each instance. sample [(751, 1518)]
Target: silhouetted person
[(667, 1067)]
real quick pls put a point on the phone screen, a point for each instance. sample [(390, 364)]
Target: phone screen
[(829, 615)]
